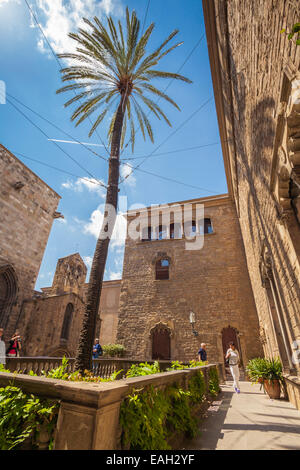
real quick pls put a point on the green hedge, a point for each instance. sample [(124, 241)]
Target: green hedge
[(150, 416)]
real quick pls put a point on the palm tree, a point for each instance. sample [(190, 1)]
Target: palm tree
[(113, 73)]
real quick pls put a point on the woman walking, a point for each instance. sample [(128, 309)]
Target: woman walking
[(2, 348), (233, 358), (14, 347)]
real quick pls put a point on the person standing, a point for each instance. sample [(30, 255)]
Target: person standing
[(2, 348), (14, 346), (202, 354), (233, 358), (97, 350)]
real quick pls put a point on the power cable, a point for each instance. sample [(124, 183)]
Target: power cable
[(95, 153), (164, 141), (55, 143), (93, 181), (176, 151), (58, 61)]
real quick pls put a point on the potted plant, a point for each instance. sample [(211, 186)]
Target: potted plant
[(267, 372)]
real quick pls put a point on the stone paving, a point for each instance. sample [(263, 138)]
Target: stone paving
[(248, 421)]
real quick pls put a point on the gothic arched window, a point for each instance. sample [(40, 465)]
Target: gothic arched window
[(162, 269), (65, 331)]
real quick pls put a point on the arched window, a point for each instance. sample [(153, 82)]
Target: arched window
[(65, 331), (162, 269), (175, 230), (161, 232), (190, 229), (206, 226), (8, 293), (146, 234)]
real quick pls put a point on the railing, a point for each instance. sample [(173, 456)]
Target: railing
[(89, 406), (102, 367)]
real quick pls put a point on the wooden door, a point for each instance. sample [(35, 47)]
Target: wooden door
[(230, 334), (161, 344)]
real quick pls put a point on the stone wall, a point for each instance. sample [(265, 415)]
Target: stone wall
[(254, 69), (212, 282), (43, 317), (27, 210)]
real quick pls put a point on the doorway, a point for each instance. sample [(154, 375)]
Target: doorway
[(161, 343)]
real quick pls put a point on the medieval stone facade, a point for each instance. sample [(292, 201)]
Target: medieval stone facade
[(51, 320), (27, 207), (166, 276), (256, 77)]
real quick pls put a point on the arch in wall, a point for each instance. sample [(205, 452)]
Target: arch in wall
[(229, 333), (8, 292), (65, 331), (161, 342)]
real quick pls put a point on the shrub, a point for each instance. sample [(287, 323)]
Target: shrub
[(213, 381), (21, 416), (143, 368), (260, 369), (113, 350)]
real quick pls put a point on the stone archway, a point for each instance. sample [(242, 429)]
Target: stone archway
[(161, 342), (8, 292), (231, 334)]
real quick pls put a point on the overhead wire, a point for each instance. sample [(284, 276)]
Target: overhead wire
[(58, 62), (55, 143), (96, 153)]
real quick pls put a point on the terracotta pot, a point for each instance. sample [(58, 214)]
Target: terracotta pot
[(272, 387)]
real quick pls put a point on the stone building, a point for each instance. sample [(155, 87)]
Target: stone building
[(50, 321), (168, 274), (27, 207), (256, 79)]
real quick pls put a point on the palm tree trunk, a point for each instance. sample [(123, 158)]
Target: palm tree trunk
[(84, 351)]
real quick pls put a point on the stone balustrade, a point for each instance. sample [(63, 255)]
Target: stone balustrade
[(89, 412), (102, 367)]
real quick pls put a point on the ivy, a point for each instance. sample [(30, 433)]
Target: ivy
[(22, 415), (294, 32), (213, 381), (150, 416)]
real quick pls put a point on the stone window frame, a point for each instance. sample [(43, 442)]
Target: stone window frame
[(9, 273), (155, 231), (161, 256), (285, 169), (66, 326)]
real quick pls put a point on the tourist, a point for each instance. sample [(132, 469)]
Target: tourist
[(97, 350), (202, 354), (233, 358), (14, 347), (2, 348)]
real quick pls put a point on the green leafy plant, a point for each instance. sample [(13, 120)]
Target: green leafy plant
[(113, 350), (294, 32), (260, 369), (150, 416), (21, 417), (143, 369), (213, 381)]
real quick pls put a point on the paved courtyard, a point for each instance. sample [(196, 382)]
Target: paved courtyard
[(248, 421)]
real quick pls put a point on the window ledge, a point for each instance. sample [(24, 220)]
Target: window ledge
[(173, 239)]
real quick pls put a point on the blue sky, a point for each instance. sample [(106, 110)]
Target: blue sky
[(31, 75)]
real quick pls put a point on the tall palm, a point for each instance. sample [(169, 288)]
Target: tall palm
[(113, 72)]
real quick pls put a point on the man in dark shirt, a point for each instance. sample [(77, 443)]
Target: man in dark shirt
[(202, 355)]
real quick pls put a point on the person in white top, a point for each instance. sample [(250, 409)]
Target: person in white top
[(234, 358), (2, 348)]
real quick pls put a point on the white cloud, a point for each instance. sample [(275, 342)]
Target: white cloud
[(58, 18), (88, 261), (91, 184), (115, 275), (126, 172), (4, 2), (94, 225)]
